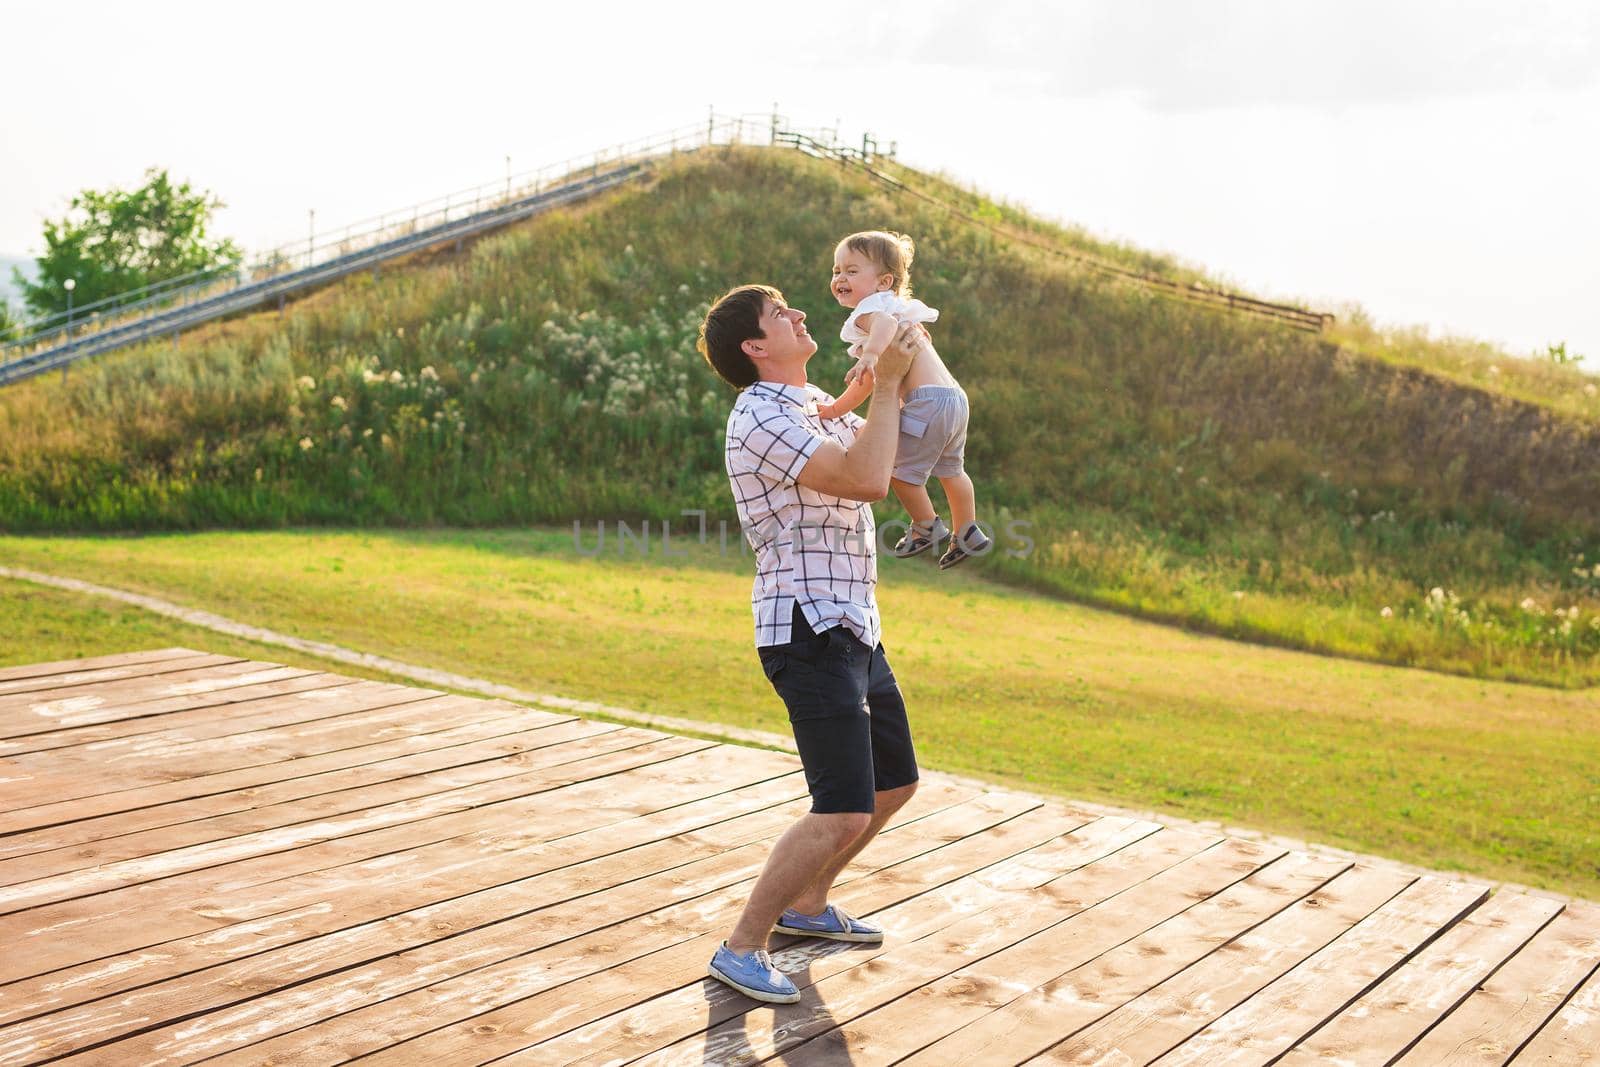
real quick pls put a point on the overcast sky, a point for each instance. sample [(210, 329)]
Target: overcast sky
[(1433, 161)]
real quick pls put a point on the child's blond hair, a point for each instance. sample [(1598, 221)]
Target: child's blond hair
[(890, 251)]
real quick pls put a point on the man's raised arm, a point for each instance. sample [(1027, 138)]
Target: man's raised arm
[(861, 472)]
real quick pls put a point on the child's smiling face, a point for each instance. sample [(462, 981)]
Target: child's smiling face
[(855, 277)]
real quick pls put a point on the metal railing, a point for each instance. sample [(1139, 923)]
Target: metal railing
[(867, 156), (178, 304), (169, 307)]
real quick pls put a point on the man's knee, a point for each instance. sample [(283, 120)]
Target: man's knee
[(845, 826), (891, 799)]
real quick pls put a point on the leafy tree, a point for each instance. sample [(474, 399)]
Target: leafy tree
[(114, 241), (8, 322)]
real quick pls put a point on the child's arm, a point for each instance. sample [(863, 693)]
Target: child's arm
[(880, 328), (850, 399)]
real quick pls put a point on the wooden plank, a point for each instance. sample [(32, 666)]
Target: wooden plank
[(92, 663), (582, 979), (435, 939), (27, 679), (122, 685), (452, 747), (1503, 1013), (1289, 1008), (447, 714), (352, 720), (1020, 1001), (288, 803), (312, 706), (39, 713), (1079, 927), (258, 891), (1162, 1018), (413, 950), (192, 712), (111, 876), (337, 901), (840, 985), (1572, 1036), (1388, 1018)]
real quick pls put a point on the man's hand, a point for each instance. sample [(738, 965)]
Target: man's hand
[(897, 358)]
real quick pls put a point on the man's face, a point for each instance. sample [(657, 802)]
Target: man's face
[(787, 342)]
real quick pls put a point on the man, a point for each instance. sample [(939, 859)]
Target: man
[(803, 487)]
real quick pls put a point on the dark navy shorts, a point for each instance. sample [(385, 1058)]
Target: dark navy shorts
[(848, 716)]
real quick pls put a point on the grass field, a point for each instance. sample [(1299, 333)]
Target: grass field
[(1243, 479), (1495, 779)]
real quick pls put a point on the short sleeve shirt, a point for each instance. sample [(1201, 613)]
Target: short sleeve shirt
[(811, 549)]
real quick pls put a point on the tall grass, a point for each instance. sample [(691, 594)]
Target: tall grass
[(1172, 461)]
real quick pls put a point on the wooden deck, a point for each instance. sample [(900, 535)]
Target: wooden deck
[(206, 858)]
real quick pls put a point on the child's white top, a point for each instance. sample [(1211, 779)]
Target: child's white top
[(903, 310)]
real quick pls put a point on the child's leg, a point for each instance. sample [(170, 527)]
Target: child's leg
[(963, 500), (914, 498)]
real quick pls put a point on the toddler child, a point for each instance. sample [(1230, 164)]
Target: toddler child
[(872, 277)]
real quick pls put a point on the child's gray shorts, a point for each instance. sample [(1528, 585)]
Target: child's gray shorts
[(933, 433)]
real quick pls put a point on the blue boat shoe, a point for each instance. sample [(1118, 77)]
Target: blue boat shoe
[(834, 923), (753, 975)]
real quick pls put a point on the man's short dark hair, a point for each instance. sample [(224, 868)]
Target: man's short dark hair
[(733, 320)]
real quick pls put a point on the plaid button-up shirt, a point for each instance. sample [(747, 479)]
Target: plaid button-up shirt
[(812, 549)]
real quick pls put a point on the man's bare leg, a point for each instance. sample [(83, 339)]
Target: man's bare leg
[(814, 897), (806, 848)]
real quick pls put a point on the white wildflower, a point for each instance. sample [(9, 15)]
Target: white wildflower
[(1528, 604), (306, 444), (400, 331), (367, 432), (371, 376), (306, 382), (396, 377), (428, 374), (1387, 612), (339, 403), (1238, 594)]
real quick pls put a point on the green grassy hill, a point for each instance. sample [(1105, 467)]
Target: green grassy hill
[(1173, 461)]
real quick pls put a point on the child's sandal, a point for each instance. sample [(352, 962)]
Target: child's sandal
[(971, 542), (919, 539)]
